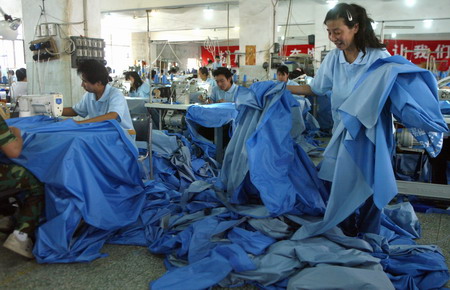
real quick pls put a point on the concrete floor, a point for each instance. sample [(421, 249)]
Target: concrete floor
[(132, 267)]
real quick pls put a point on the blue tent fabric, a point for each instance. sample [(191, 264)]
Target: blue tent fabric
[(90, 173), (264, 150), (210, 116), (351, 162), (445, 107), (178, 163), (207, 239)]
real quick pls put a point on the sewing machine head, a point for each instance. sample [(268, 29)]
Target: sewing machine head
[(444, 94), (49, 104)]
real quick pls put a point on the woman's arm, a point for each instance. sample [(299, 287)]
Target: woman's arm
[(301, 90), (107, 116)]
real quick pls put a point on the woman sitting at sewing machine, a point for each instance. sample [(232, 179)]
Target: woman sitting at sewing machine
[(138, 88)]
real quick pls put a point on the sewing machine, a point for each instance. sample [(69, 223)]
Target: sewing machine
[(444, 94), (49, 104)]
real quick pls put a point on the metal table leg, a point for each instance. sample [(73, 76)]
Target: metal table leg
[(218, 141), (149, 143)]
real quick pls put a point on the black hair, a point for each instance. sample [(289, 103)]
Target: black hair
[(21, 74), (137, 80), (283, 69), (203, 70), (210, 61), (153, 74), (93, 71), (353, 14), (223, 71), (217, 56)]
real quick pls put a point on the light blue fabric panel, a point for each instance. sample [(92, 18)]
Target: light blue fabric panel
[(213, 115), (351, 162), (210, 116), (90, 172), (279, 171), (445, 107)]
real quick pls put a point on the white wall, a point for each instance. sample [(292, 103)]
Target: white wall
[(306, 18)]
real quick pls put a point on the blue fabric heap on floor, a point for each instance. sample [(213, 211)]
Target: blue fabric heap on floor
[(178, 163), (207, 243), (90, 173)]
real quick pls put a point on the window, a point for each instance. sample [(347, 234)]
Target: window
[(12, 54)]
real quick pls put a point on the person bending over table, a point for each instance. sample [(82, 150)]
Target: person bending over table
[(101, 101)]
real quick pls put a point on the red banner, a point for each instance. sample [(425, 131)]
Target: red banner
[(222, 52), (289, 50), (417, 51)]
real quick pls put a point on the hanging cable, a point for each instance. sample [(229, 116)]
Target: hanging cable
[(287, 26), (174, 53), (162, 50)]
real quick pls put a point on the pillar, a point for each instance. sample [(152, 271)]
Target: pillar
[(57, 75), (256, 27)]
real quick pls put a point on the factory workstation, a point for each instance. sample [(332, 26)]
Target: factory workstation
[(218, 144)]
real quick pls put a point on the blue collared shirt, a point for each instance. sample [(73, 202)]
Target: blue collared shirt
[(142, 92), (291, 83), (337, 75), (112, 100), (208, 85), (228, 96)]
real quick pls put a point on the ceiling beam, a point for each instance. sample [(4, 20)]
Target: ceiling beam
[(120, 5)]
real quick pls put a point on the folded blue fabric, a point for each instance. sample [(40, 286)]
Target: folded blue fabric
[(262, 159), (351, 162), (90, 173)]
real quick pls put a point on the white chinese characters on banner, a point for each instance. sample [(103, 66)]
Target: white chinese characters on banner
[(421, 51), (443, 51), (291, 50), (418, 51)]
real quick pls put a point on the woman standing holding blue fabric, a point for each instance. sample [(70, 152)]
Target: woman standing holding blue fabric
[(357, 48), (138, 88)]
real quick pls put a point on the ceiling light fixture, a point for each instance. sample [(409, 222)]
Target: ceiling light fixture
[(208, 13), (428, 23), (331, 3), (410, 3)]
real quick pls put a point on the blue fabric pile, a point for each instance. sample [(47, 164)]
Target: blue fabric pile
[(209, 116), (208, 241), (178, 163), (257, 222), (263, 162), (92, 184)]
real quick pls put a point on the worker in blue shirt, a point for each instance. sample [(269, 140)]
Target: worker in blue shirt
[(217, 63), (208, 83), (357, 47), (283, 76), (139, 88), (101, 102), (225, 90)]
